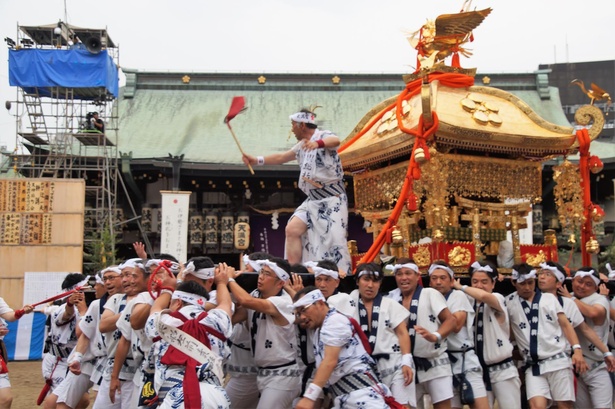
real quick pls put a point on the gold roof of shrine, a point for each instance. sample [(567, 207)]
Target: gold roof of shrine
[(475, 119)]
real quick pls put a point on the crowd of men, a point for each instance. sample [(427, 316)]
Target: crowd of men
[(171, 335)]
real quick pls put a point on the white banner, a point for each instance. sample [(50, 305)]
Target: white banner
[(174, 229), (39, 286)]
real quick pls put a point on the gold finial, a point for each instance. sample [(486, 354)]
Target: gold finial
[(262, 79), (186, 79), (336, 80)]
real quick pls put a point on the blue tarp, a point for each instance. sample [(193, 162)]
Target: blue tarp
[(74, 68)]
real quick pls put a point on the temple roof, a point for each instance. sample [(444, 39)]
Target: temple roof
[(162, 113)]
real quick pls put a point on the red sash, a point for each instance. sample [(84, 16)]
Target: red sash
[(173, 356)]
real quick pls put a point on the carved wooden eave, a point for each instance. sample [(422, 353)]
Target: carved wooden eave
[(504, 124)]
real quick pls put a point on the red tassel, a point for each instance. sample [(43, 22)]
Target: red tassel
[(455, 63)]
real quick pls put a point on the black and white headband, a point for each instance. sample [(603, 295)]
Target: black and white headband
[(309, 299), (305, 117)]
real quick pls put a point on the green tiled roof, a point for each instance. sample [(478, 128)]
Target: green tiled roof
[(159, 114)]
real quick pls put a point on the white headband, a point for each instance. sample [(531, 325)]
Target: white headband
[(435, 267), (189, 298), (79, 284), (305, 117), (115, 270), (202, 273), (396, 267), (589, 273), (476, 267), (280, 272), (249, 262), (309, 299), (558, 274), (132, 263), (522, 277), (610, 270), (99, 279), (319, 271), (366, 272)]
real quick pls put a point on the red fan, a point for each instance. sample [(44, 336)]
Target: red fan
[(238, 105)]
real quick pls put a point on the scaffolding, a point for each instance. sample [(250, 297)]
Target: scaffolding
[(58, 138)]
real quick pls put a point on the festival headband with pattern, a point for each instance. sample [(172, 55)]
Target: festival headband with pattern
[(132, 263), (435, 267), (247, 261), (610, 270), (189, 298), (309, 299), (319, 271), (522, 277), (590, 273), (305, 117), (202, 273), (558, 274), (366, 272), (395, 267), (280, 272)]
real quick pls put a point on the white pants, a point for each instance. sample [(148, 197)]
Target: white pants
[(506, 392), (56, 372), (276, 399), (123, 400), (594, 389), (72, 389), (243, 392)]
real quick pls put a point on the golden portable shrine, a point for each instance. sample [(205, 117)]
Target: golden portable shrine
[(444, 169)]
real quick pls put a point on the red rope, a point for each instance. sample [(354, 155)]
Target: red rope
[(421, 134)]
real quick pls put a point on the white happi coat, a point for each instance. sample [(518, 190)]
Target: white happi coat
[(275, 345), (216, 319), (391, 314), (590, 352), (496, 343), (112, 338), (550, 337), (337, 331), (327, 218), (241, 361), (573, 314), (96, 351), (140, 344), (63, 339), (172, 376), (464, 339), (431, 304)]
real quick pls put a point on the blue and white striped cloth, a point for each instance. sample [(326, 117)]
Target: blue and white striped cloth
[(26, 337)]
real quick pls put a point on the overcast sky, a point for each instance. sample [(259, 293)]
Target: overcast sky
[(303, 36)]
